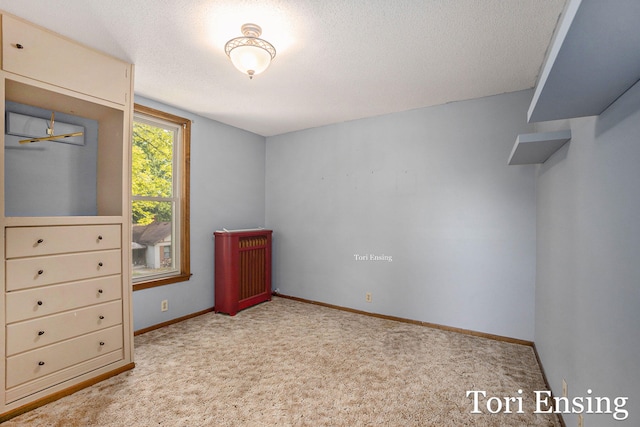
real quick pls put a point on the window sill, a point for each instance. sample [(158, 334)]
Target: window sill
[(161, 282)]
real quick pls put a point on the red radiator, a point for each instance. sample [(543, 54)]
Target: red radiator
[(242, 269)]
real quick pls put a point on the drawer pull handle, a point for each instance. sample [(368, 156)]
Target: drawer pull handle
[(39, 302), (100, 264), (101, 317), (100, 237), (40, 363), (40, 241), (19, 46), (40, 333), (40, 272), (101, 342), (99, 291)]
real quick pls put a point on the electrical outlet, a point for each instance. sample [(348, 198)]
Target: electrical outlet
[(367, 297), (565, 389), (580, 420), (164, 305)]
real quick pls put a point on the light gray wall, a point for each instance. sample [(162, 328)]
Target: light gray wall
[(227, 190), (429, 187), (51, 178), (588, 272)]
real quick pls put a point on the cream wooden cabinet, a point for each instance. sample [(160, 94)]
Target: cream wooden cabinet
[(68, 65), (66, 278)]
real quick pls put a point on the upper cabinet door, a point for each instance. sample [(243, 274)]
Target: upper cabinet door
[(41, 55)]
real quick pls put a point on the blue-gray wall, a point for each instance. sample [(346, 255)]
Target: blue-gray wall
[(51, 178), (430, 188), (588, 272), (227, 190)]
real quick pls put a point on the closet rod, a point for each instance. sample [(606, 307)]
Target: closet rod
[(50, 133)]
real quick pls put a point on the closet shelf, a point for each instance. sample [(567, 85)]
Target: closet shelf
[(592, 60), (531, 148)]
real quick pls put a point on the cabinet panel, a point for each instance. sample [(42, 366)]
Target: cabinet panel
[(35, 241), (26, 273), (38, 302), (31, 334), (37, 363), (41, 55)]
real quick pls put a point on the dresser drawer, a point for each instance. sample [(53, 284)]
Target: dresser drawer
[(37, 241), (38, 302), (46, 360), (39, 384), (31, 334), (26, 273), (41, 55)]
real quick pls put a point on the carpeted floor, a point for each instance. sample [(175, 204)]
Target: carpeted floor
[(287, 363)]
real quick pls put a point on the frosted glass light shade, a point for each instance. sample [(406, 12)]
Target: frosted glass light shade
[(249, 54), (250, 59)]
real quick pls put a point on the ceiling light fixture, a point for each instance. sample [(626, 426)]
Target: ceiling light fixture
[(250, 54)]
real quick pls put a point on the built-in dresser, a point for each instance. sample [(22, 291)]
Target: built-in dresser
[(66, 275)]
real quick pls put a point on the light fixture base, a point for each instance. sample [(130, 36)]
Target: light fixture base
[(251, 30)]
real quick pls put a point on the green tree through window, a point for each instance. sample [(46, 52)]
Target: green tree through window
[(152, 172)]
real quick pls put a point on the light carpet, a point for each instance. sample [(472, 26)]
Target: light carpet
[(288, 363)]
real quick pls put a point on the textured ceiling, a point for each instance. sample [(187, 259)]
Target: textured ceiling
[(337, 60)]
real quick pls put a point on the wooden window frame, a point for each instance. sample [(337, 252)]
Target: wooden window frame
[(185, 264)]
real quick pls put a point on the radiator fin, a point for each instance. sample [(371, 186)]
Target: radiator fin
[(252, 266)]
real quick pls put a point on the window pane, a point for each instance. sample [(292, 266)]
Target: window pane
[(154, 252), (160, 149), (152, 160)]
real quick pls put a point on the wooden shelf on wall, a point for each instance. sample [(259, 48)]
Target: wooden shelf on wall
[(531, 148), (592, 60)]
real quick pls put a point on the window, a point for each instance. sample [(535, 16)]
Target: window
[(160, 160)]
